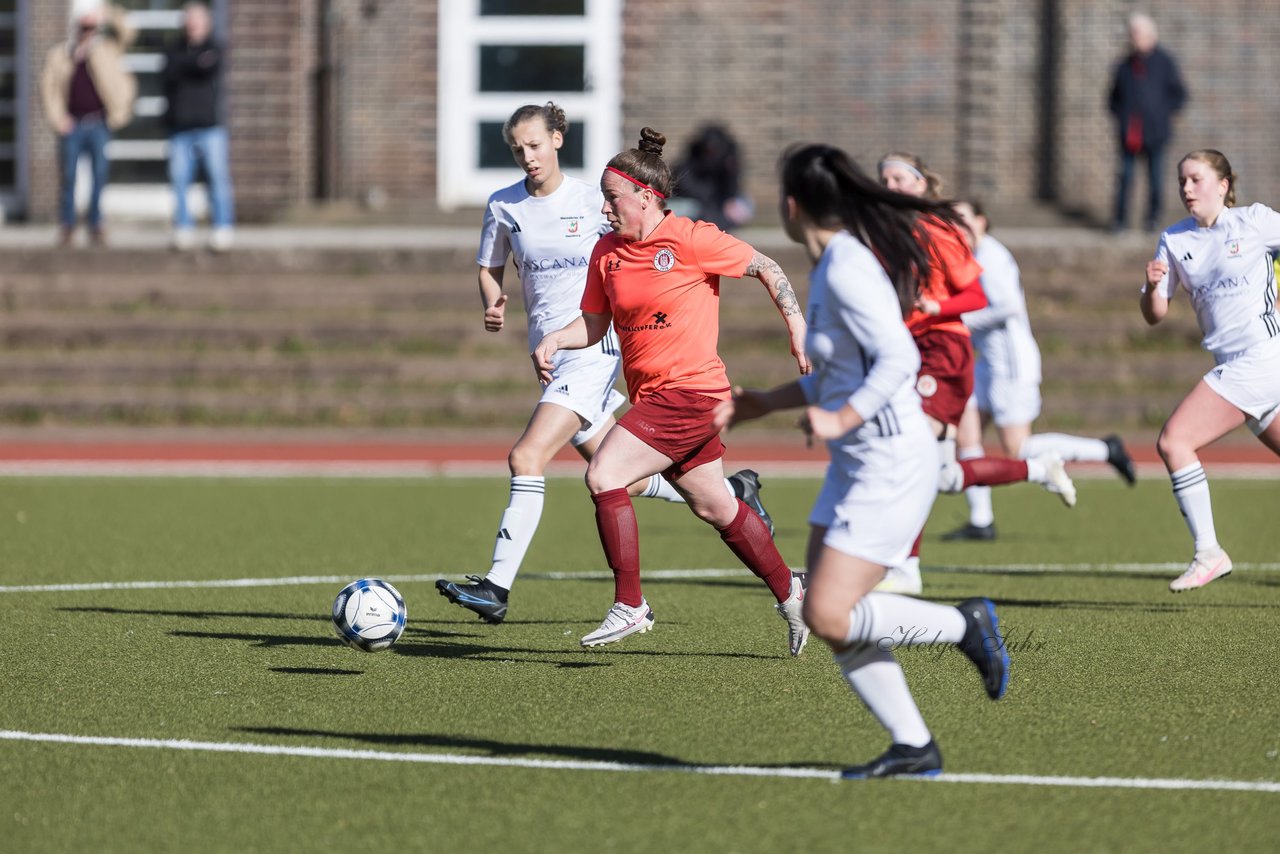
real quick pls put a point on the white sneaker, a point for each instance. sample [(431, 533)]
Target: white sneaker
[(622, 620), (183, 240), (791, 611), (903, 579), (220, 239), (1205, 567), (1056, 479)]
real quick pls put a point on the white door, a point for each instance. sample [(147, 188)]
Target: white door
[(497, 55)]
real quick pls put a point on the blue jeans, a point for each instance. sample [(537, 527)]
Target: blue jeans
[(1155, 182), (210, 148), (88, 135)]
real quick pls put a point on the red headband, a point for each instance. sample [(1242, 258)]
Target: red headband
[(635, 181)]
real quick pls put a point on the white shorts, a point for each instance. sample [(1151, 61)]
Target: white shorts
[(1011, 402), (1250, 381), (877, 496), (582, 383)]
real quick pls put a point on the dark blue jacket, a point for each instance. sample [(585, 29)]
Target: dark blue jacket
[(1154, 97)]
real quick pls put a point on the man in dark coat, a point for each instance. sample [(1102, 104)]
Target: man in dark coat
[(1146, 91), (197, 129)]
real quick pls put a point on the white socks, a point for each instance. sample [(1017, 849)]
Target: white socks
[(1191, 489), (981, 513), (891, 621), (515, 531), (878, 624), (877, 678), (1072, 449)]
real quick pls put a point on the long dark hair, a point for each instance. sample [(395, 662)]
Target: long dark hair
[(835, 192)]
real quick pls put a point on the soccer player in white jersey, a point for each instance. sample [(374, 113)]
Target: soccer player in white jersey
[(1221, 255), (883, 478), (1006, 387), (550, 222)]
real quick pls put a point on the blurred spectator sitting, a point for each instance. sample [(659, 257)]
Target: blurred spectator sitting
[(88, 93), (197, 130), (708, 178)]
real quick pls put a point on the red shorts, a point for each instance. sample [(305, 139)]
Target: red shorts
[(945, 380), (676, 424)]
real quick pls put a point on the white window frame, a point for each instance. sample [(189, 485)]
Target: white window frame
[(462, 106)]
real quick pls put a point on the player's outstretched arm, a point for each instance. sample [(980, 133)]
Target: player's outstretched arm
[(749, 404), (765, 269)]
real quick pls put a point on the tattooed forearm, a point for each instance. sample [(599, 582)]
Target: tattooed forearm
[(785, 298), (767, 271)]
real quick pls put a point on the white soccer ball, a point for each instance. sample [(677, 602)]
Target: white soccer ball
[(369, 615)]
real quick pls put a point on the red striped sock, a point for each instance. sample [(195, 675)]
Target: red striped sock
[(620, 536), (993, 471), (748, 537)]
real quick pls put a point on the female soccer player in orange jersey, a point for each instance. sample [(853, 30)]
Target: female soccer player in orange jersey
[(549, 222), (945, 382), (656, 278)]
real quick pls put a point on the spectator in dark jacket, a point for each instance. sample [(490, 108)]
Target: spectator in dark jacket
[(197, 130), (708, 177), (1146, 91)]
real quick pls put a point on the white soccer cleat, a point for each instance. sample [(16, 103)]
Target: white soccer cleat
[(1205, 567), (622, 620), (904, 579), (1056, 479), (791, 611)]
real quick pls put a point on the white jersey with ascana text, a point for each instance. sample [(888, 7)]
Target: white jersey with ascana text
[(551, 238), (1227, 271), (860, 348), (1002, 330)]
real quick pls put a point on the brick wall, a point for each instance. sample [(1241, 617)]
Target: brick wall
[(1229, 54), (271, 100), (1004, 98), (387, 98)]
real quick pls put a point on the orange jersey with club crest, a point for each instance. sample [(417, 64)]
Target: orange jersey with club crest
[(664, 295)]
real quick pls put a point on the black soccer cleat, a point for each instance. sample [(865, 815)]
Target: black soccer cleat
[(746, 485), (897, 760), (970, 531), (479, 596), (984, 645), (1120, 460)]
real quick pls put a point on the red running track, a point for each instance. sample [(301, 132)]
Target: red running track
[(488, 452)]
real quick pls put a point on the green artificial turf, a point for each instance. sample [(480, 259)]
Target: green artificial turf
[(1112, 676)]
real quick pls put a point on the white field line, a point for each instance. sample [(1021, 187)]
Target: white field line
[(653, 574), (481, 468), (625, 767)]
